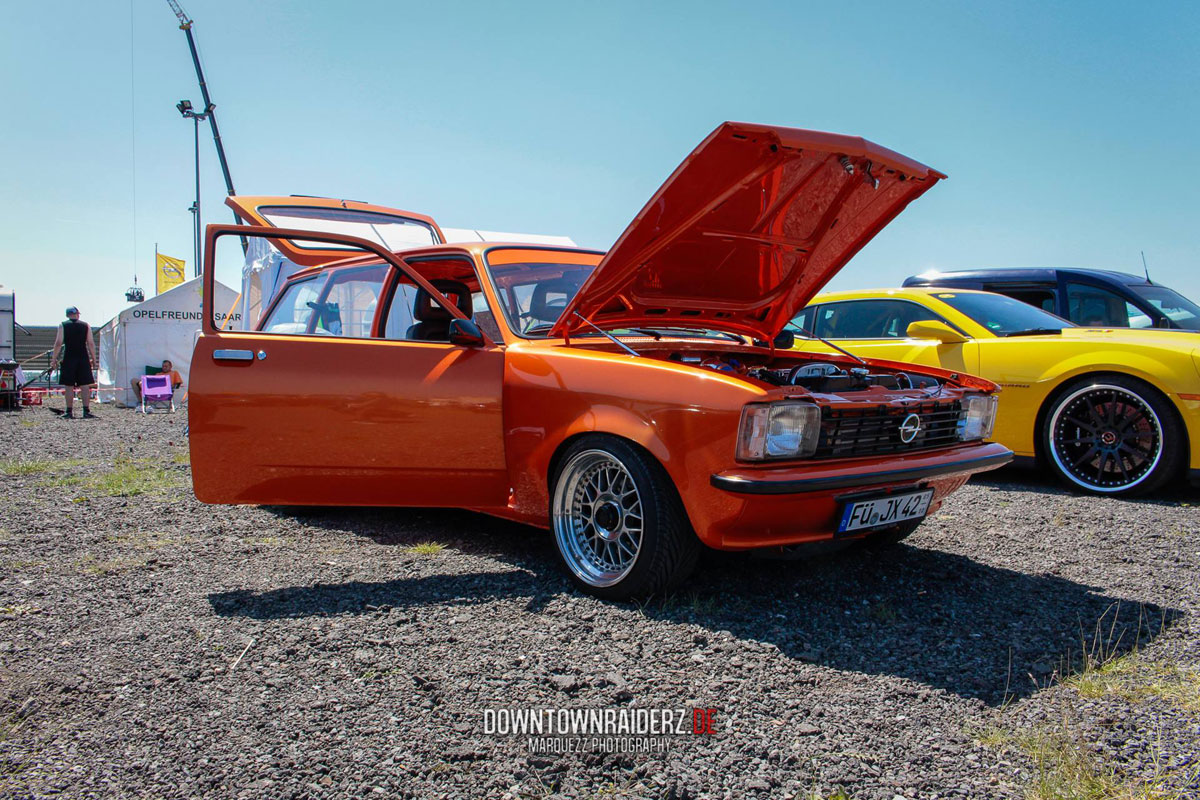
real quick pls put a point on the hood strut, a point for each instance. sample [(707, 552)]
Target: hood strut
[(608, 335)]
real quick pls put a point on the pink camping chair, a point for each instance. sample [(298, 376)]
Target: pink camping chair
[(156, 390)]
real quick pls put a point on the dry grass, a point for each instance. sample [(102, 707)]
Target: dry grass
[(127, 478), (426, 548), (90, 565), (1065, 768), (37, 466), (1137, 681), (146, 540)]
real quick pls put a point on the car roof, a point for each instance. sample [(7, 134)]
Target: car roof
[(906, 292), (1024, 275)]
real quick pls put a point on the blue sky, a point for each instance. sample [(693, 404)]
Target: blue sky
[(1068, 130)]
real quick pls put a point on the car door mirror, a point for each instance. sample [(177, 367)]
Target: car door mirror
[(933, 329), (465, 333)]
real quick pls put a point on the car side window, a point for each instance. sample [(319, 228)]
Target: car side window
[(869, 319), (804, 319), (1092, 306), (414, 316), (291, 315), (348, 307)]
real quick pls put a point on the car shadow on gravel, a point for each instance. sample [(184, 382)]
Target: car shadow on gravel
[(1041, 481), (938, 619)]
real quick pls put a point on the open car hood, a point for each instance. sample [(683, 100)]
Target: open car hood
[(747, 230), (394, 229)]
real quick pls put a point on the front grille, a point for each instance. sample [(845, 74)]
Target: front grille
[(869, 430)]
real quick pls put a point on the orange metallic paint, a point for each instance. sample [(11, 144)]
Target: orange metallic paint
[(339, 421), (332, 421), (747, 230)]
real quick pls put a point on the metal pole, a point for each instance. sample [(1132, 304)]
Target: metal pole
[(212, 119), (196, 226)]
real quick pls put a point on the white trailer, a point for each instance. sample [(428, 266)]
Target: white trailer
[(8, 325)]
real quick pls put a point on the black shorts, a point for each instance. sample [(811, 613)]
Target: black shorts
[(76, 372)]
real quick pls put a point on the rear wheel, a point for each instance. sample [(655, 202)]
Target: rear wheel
[(1112, 435), (618, 523)]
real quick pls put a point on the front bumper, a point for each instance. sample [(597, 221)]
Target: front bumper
[(836, 479), (768, 506)]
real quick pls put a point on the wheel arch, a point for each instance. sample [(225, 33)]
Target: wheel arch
[(1066, 382), (559, 451)]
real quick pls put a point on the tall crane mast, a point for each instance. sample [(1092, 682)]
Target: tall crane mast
[(185, 25)]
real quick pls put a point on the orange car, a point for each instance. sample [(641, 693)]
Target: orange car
[(640, 403)]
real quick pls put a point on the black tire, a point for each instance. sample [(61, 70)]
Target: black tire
[(890, 537), (1112, 435), (640, 504)]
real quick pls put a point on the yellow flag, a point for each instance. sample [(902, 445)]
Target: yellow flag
[(169, 272)]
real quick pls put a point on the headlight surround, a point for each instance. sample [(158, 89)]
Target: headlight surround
[(979, 417), (772, 431)]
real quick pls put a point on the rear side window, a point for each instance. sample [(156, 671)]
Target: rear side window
[(294, 310), (341, 304), (348, 308)]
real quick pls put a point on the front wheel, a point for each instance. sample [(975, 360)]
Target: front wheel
[(1112, 435), (618, 523)]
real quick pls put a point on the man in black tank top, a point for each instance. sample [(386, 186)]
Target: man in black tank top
[(74, 339)]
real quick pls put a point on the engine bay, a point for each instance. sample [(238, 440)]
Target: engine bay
[(823, 377)]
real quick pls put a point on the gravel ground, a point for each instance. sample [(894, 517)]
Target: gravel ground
[(151, 646)]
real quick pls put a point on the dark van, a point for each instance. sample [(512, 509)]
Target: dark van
[(1090, 297)]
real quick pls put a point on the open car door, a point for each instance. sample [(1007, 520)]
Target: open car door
[(393, 229), (331, 411)]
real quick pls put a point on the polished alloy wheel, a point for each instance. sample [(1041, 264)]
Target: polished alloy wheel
[(598, 518), (1105, 438)]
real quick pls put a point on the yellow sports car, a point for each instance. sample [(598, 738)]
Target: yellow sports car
[(1111, 411)]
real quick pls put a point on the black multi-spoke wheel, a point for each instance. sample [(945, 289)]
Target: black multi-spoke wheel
[(1112, 435), (618, 523)]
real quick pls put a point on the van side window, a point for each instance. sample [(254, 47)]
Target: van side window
[(294, 310), (1039, 298), (1092, 306)]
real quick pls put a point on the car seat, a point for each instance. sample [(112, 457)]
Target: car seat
[(550, 298), (433, 321)]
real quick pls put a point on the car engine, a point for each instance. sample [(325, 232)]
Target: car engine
[(820, 376)]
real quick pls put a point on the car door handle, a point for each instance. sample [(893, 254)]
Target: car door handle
[(233, 355)]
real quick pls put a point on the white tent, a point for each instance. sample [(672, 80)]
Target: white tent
[(163, 327)]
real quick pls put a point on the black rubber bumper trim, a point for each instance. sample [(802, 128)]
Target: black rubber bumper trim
[(803, 485), (1194, 477)]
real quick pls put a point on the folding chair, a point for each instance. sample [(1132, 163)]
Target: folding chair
[(156, 390)]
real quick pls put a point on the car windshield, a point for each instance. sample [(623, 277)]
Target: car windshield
[(1002, 315), (534, 294), (1182, 312)]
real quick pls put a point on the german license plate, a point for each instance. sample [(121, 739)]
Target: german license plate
[(881, 511)]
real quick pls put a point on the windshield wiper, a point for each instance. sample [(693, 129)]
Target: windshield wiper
[(702, 333), (827, 343), (1034, 332), (653, 334)]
